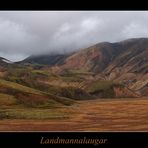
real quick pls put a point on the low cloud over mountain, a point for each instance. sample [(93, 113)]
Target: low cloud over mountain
[(25, 33)]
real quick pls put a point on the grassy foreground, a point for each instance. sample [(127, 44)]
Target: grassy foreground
[(91, 115)]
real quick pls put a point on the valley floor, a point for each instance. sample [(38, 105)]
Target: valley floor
[(95, 115)]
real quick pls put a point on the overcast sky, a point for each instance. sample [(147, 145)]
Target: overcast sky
[(24, 33)]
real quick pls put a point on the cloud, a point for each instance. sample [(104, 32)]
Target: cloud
[(14, 37), (90, 23), (71, 37), (24, 33), (137, 29)]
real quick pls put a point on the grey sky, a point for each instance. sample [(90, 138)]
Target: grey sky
[(23, 33)]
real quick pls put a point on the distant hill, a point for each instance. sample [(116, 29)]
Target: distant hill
[(53, 59)]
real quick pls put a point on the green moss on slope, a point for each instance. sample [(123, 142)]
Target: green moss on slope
[(102, 89)]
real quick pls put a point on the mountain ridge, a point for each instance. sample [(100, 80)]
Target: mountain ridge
[(92, 55), (125, 62)]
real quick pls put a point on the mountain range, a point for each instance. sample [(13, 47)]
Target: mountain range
[(104, 70), (125, 61), (101, 57)]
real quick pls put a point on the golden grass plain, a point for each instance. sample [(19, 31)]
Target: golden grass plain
[(92, 115)]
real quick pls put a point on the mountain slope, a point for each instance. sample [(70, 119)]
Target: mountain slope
[(53, 59), (134, 57), (125, 62), (102, 56), (95, 58), (107, 56), (30, 96)]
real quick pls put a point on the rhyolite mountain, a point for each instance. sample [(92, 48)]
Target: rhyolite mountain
[(125, 61), (131, 55), (102, 57)]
